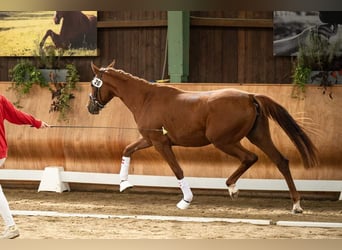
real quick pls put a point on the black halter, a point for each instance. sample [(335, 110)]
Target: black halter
[(95, 99)]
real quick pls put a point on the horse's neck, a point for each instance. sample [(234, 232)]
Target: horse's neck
[(72, 19), (133, 93)]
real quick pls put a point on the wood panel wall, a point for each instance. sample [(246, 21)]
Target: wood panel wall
[(225, 46), (100, 149)]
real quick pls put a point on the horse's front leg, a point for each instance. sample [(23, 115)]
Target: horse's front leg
[(166, 152), (56, 39), (126, 159), (47, 34)]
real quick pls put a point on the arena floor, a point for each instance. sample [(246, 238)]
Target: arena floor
[(129, 216)]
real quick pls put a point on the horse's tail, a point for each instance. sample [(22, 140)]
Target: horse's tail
[(297, 135)]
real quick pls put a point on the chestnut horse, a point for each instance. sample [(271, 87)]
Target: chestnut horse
[(78, 30), (167, 116)]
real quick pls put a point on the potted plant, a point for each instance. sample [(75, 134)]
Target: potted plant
[(23, 75), (62, 79), (319, 61), (62, 92), (48, 62)]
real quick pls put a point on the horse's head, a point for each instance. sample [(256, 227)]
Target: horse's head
[(101, 91), (58, 16)]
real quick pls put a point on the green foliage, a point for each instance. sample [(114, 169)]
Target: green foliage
[(62, 93), (301, 76), (49, 57), (315, 54), (72, 75), (23, 75)]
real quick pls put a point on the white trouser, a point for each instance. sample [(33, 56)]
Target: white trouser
[(4, 207)]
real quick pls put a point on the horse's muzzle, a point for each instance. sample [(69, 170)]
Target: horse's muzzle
[(93, 109), (93, 106)]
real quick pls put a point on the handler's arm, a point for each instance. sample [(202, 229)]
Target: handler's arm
[(15, 116)]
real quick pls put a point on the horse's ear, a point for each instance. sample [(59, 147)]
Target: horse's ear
[(112, 64), (94, 68)]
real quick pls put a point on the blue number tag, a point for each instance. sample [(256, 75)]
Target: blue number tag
[(97, 82)]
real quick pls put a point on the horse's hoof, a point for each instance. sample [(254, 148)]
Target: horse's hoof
[(234, 195), (233, 192), (297, 211), (125, 185), (296, 208), (183, 204)]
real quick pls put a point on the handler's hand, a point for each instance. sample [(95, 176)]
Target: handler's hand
[(44, 125)]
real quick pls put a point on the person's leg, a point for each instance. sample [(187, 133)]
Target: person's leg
[(11, 229), (5, 210)]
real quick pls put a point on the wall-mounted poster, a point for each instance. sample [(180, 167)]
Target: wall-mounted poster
[(291, 29), (24, 33)]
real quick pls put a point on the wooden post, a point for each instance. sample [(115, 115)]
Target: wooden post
[(178, 45)]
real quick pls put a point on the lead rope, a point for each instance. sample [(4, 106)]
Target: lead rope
[(163, 130)]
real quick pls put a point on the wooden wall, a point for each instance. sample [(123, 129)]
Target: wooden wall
[(225, 47), (100, 149), (237, 47)]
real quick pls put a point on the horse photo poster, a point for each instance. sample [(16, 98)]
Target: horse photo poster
[(292, 29), (25, 33)]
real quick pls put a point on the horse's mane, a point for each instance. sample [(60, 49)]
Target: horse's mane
[(124, 75), (71, 13)]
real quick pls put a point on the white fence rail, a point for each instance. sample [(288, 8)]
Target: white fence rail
[(56, 179)]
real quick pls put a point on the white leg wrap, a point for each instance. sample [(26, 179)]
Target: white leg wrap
[(124, 168), (233, 191), (187, 195), (124, 183), (297, 208)]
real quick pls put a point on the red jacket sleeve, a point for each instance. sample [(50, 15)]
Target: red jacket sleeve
[(14, 115)]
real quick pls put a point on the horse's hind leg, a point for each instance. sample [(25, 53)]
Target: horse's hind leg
[(126, 159), (246, 158), (260, 136)]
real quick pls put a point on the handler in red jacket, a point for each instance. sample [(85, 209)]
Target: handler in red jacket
[(11, 114)]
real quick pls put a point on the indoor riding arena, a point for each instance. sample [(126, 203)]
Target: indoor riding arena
[(66, 181)]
